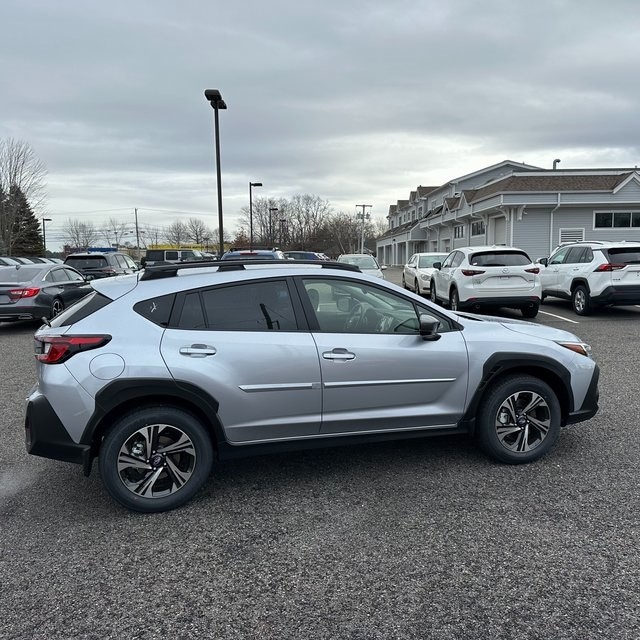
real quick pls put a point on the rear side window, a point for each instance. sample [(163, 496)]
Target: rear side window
[(499, 259), (91, 303), (158, 310), (626, 255), (86, 262), (154, 255)]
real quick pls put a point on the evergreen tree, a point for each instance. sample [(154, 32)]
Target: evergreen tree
[(26, 237)]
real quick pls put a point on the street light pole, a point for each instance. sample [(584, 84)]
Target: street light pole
[(363, 218), (271, 212), (135, 211), (251, 185), (215, 99), (44, 235)]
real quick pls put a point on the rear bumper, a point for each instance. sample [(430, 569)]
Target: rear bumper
[(46, 436), (618, 295), (510, 301)]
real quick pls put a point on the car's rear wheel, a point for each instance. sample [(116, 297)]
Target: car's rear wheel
[(454, 300), (581, 301), (57, 306), (519, 420), (530, 311), (155, 459)]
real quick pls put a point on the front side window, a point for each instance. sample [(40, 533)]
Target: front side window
[(346, 306)]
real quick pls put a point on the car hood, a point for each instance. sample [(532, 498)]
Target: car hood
[(524, 327)]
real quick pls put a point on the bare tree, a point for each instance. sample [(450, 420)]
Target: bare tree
[(21, 172), (177, 233), (150, 235), (114, 231), (197, 230), (79, 235)]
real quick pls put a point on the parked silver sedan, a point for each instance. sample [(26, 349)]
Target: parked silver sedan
[(31, 292), (417, 273)]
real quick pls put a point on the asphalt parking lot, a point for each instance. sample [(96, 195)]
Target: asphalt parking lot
[(417, 539)]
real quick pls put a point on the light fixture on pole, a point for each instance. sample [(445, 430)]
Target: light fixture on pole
[(44, 235), (216, 101), (272, 210), (363, 220), (251, 185)]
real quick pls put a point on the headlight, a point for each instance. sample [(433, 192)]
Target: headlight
[(579, 347)]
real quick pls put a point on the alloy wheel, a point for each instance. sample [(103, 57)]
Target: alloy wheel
[(523, 421)]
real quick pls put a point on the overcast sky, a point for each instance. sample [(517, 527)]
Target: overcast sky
[(353, 101)]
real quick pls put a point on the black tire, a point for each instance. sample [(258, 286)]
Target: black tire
[(416, 286), (581, 301), (57, 307), (510, 433), (404, 284), (454, 300), (432, 293), (155, 481), (530, 311)]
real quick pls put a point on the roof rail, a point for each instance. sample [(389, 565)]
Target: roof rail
[(153, 272)]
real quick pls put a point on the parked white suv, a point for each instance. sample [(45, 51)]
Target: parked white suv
[(418, 271), (479, 277), (593, 273)]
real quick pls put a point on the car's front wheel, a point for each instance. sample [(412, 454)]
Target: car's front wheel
[(581, 301), (519, 420), (432, 293), (404, 282), (155, 459)]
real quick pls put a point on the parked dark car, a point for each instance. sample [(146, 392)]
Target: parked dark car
[(30, 292), (101, 264), (6, 261), (304, 255)]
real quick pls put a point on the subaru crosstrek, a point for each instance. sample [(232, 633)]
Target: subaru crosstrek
[(161, 373)]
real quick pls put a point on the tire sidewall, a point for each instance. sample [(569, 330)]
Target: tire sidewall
[(485, 428), (132, 422)]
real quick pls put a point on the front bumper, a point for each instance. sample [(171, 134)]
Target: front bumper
[(589, 406)]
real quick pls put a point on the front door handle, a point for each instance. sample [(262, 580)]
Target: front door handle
[(338, 354), (198, 351)]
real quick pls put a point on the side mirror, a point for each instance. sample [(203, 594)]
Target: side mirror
[(544, 262), (429, 327), (383, 267), (437, 265)]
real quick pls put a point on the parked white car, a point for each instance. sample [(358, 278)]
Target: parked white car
[(417, 273), (593, 273), (476, 277), (365, 262)]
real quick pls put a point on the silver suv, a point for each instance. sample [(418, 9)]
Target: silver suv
[(161, 373), (593, 273)]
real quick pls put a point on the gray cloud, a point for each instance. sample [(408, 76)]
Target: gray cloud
[(351, 101)]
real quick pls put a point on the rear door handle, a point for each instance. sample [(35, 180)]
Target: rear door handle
[(338, 354), (198, 351)]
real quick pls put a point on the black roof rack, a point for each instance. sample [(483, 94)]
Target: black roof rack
[(153, 272)]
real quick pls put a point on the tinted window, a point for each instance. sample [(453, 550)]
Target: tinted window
[(626, 255), (575, 255), (458, 257), (158, 310), (499, 259), (155, 254), (192, 315), (80, 310), (59, 275), (255, 306), (86, 262)]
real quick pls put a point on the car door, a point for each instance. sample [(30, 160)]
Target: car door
[(572, 267), (74, 287), (549, 275), (378, 374), (242, 345), (440, 277), (410, 271)]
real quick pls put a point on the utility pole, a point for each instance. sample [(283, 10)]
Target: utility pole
[(363, 219)]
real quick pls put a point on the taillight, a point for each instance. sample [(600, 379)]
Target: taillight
[(58, 349), (29, 292), (471, 272), (535, 270), (607, 266)]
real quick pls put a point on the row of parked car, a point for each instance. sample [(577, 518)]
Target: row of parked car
[(589, 274)]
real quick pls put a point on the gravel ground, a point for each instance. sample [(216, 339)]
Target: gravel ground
[(424, 539)]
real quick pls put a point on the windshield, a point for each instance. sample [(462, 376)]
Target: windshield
[(426, 262)]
